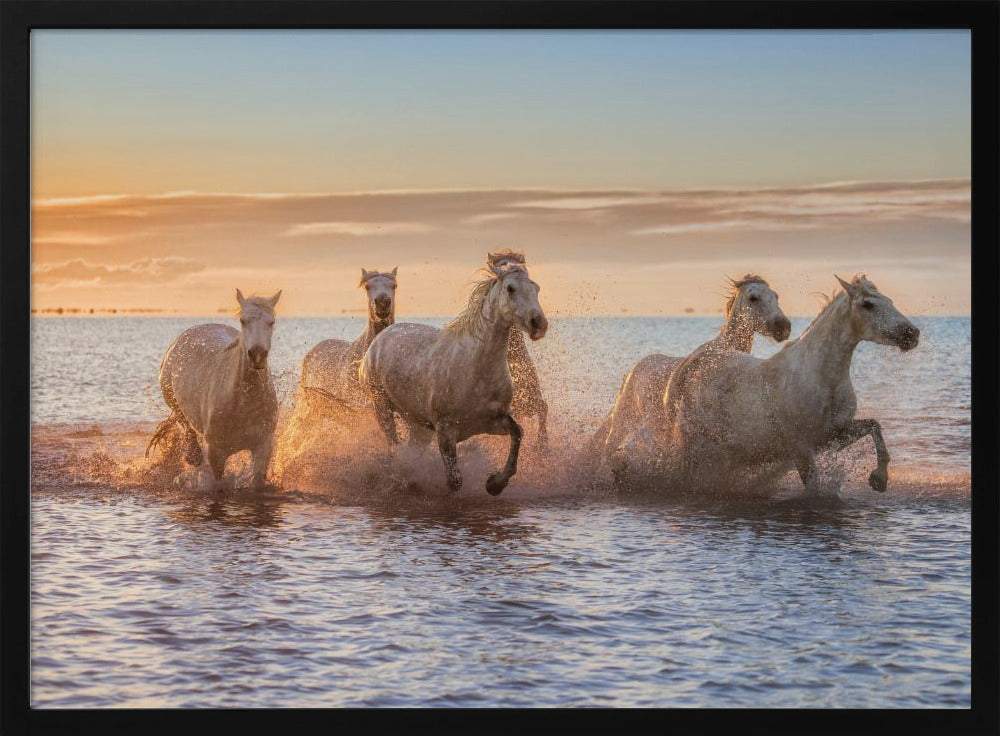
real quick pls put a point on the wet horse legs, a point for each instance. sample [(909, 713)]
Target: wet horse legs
[(498, 481)]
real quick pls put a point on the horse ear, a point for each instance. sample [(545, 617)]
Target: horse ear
[(240, 298), (851, 289), (274, 299), (364, 275), (395, 268), (491, 258)]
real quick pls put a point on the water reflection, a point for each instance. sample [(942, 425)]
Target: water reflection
[(240, 510)]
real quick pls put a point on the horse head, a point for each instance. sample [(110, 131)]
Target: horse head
[(874, 318), (517, 300), (755, 305), (381, 289), (256, 325)]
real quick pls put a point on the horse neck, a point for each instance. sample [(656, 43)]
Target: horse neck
[(244, 377), (826, 348), (494, 339), (371, 331), (736, 334)]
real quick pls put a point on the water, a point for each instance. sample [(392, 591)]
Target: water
[(362, 585)]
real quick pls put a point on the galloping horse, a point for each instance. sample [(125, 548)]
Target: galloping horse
[(456, 381), (730, 415), (528, 400), (330, 369), (217, 384), (752, 308)]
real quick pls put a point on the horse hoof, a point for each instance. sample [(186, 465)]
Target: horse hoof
[(496, 483), (878, 481)]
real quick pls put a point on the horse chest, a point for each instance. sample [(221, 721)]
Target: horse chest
[(245, 419)]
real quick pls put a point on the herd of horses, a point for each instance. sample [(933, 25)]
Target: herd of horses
[(718, 417)]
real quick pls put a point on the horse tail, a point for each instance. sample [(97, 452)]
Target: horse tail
[(161, 431)]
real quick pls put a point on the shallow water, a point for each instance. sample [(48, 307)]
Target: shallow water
[(361, 584)]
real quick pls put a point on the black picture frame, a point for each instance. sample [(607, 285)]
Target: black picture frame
[(19, 17)]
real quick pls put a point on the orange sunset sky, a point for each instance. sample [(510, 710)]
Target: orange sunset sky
[(636, 169)]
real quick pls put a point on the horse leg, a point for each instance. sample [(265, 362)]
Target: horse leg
[(261, 458), (806, 465), (498, 481), (384, 414), (217, 461), (879, 478), (543, 419), (449, 453), (192, 452), (419, 435)]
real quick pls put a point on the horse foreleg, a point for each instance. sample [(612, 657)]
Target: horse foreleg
[(449, 453), (806, 465), (261, 459), (498, 481), (879, 478), (217, 462), (543, 420)]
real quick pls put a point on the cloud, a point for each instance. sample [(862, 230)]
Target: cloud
[(357, 228), (723, 226), (146, 270), (70, 238)]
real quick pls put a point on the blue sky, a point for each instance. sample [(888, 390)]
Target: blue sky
[(350, 110), (609, 130)]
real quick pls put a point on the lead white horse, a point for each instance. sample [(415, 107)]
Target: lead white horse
[(455, 381), (730, 416), (528, 400), (752, 308), (330, 369), (217, 384)]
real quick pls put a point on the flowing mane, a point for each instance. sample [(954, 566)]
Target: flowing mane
[(835, 299), (750, 278), (470, 320), (505, 257)]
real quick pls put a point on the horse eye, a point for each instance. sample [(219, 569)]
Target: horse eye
[(243, 322), (867, 305), (271, 323), (754, 299), (510, 289)]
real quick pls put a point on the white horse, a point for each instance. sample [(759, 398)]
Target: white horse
[(330, 369), (528, 400), (730, 416), (455, 381), (217, 384), (752, 308)]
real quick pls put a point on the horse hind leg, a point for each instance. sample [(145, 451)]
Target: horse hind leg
[(383, 412)]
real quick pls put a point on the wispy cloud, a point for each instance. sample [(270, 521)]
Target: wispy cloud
[(146, 270), (357, 228)]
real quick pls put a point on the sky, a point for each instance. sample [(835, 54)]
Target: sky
[(637, 169)]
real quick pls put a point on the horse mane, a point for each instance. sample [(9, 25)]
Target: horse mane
[(511, 256), (736, 285), (373, 274), (829, 300), (470, 319), (258, 301)]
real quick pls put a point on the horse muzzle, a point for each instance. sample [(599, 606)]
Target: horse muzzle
[(258, 358), (383, 308), (909, 338), (781, 328), (537, 327)]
